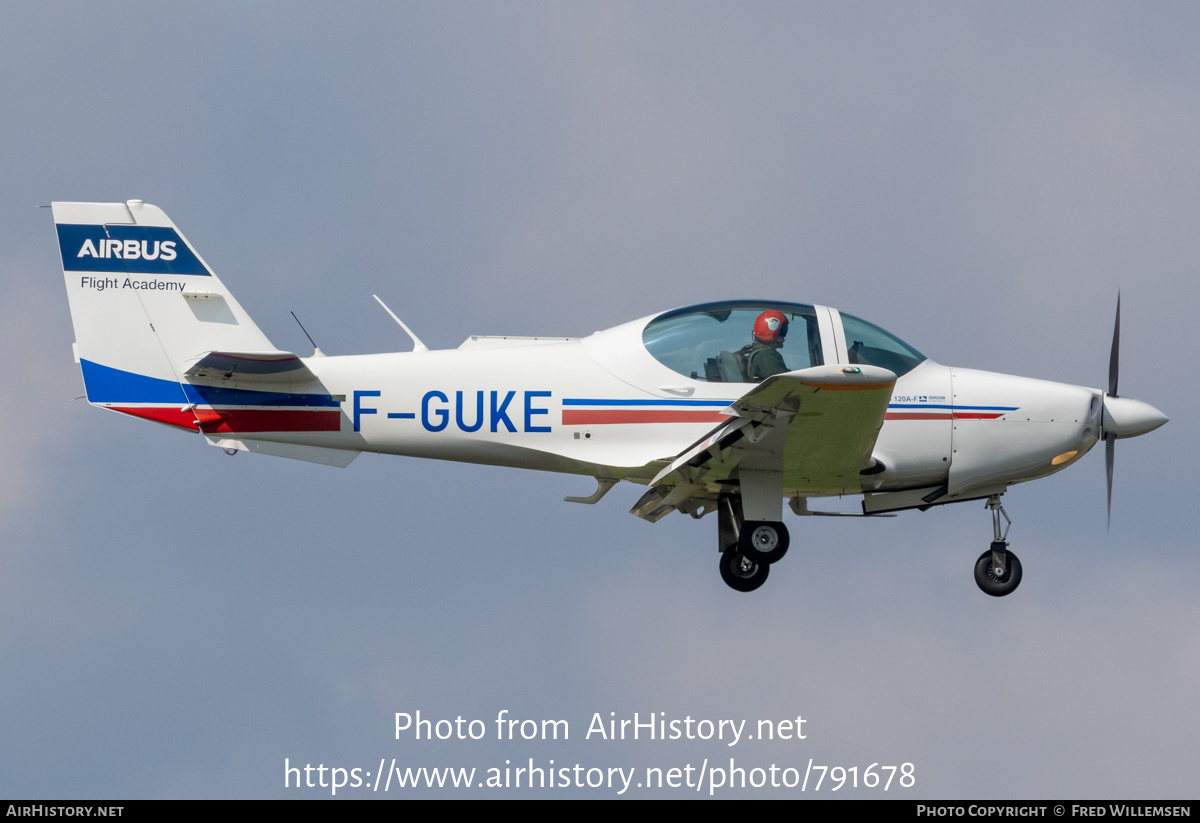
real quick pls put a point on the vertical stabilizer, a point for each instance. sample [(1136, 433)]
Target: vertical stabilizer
[(145, 307)]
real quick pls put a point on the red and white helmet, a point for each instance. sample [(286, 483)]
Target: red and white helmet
[(771, 327)]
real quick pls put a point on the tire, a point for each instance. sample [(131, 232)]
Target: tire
[(741, 574), (989, 582), (763, 541)]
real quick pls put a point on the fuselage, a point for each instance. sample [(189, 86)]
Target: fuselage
[(605, 406)]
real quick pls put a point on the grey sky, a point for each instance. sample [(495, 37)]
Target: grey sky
[(978, 178)]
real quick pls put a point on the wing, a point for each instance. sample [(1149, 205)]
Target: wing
[(813, 428)]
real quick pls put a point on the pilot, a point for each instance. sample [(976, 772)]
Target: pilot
[(761, 359)]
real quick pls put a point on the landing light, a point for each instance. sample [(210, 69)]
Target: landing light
[(1064, 457)]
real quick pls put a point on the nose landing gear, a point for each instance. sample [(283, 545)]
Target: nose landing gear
[(998, 571)]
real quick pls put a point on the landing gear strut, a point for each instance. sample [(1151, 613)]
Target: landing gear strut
[(748, 547), (998, 571)]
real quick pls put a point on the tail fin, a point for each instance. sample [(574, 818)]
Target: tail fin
[(146, 308)]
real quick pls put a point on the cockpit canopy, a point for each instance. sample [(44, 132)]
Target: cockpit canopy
[(704, 342), (713, 342)]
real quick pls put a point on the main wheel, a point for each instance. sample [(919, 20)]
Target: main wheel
[(741, 573), (992, 583), (763, 541)]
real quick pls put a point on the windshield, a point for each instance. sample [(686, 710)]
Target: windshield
[(867, 344)]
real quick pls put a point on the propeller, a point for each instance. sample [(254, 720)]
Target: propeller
[(1110, 439), (1123, 416)]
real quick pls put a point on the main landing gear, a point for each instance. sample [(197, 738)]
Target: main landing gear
[(748, 548), (741, 573), (763, 541), (998, 571)]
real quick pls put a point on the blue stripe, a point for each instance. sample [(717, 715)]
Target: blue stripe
[(108, 385), (217, 396), (105, 384), (705, 403), (964, 408)]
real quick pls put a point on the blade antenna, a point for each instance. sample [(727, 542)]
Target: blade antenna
[(417, 344), (316, 349)]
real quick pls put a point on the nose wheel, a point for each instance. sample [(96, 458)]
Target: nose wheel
[(998, 577), (998, 571)]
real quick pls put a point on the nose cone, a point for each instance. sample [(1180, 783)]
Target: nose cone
[(1126, 417)]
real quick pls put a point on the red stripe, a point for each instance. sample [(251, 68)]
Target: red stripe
[(226, 421), (942, 415), (596, 417), (170, 416), (272, 420)]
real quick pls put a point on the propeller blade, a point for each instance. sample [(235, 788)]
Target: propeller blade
[(1110, 439), (1113, 365), (1110, 452)]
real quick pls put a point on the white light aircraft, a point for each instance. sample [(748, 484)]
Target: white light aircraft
[(710, 408)]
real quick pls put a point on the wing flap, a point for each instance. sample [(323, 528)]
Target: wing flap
[(699, 453)]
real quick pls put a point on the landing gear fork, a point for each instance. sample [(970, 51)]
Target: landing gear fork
[(998, 571)]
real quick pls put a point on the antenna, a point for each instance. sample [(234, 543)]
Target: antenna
[(417, 344), (316, 349)]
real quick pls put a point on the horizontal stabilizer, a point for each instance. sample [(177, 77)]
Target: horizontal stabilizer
[(341, 458), (260, 366)]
